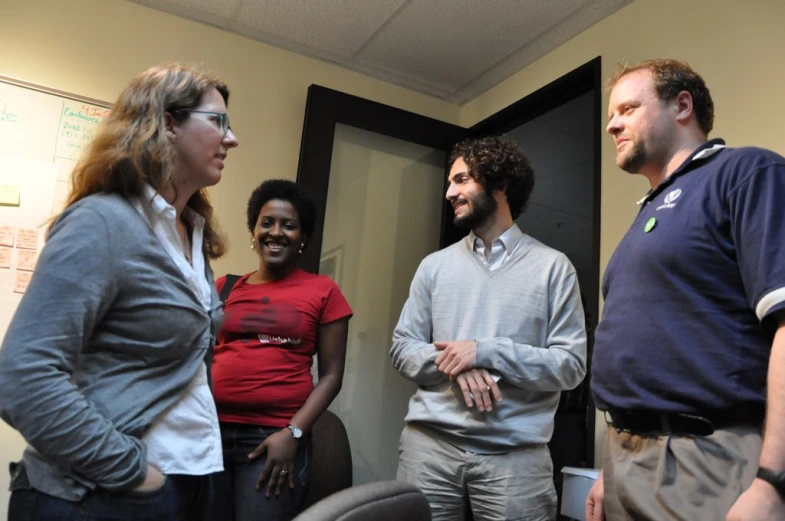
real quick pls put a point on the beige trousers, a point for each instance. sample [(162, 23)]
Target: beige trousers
[(684, 478), (516, 486)]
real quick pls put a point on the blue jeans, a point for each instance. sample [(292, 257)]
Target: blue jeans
[(236, 496), (181, 498)]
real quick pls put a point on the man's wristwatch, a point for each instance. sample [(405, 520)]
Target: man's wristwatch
[(776, 479), (297, 432)]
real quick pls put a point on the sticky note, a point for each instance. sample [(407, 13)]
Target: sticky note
[(5, 257), (9, 195), (7, 234), (27, 239), (26, 260), (21, 280)]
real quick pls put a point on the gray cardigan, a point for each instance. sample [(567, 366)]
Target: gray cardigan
[(107, 336)]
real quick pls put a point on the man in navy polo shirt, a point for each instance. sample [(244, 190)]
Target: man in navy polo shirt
[(694, 315)]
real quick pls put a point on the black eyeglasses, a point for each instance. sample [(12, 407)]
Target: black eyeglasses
[(222, 121)]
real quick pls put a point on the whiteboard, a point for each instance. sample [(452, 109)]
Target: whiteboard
[(42, 133)]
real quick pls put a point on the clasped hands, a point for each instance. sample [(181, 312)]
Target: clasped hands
[(458, 360)]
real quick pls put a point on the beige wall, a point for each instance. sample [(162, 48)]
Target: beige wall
[(738, 48)]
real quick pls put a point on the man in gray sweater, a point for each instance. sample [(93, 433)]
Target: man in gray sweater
[(492, 332)]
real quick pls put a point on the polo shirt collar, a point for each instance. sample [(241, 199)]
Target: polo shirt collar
[(705, 151)]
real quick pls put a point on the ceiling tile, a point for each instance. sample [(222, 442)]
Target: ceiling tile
[(452, 49), (561, 31), (216, 12), (338, 28), (448, 43)]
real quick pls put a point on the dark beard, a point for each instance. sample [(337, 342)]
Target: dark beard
[(635, 161), (482, 207)]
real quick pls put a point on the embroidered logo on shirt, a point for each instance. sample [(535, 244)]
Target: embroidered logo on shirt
[(274, 319), (268, 339), (672, 196)]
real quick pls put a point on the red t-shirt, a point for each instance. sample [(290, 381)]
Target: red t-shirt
[(262, 362)]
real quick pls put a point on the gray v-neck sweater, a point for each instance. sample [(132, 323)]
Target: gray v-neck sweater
[(529, 325)]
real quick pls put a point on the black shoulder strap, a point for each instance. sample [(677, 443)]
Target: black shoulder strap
[(229, 283)]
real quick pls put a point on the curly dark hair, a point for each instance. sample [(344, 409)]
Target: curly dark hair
[(283, 190), (498, 163), (670, 78)]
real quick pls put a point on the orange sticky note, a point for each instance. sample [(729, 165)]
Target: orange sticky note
[(5, 257), (27, 238), (21, 280), (26, 260), (7, 234)]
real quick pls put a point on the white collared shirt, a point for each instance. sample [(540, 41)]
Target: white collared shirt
[(186, 439), (501, 247)]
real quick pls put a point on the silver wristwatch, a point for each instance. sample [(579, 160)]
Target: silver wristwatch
[(297, 432)]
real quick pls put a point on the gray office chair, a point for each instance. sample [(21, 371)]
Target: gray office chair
[(378, 501)]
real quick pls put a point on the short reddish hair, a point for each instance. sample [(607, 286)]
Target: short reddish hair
[(670, 78)]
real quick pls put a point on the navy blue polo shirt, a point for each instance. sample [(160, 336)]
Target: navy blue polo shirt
[(691, 286)]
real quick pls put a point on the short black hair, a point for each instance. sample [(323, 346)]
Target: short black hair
[(283, 190), (498, 163)]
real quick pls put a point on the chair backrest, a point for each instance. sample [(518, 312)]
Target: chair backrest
[(378, 501), (331, 465)]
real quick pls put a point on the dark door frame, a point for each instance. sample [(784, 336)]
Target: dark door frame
[(326, 107)]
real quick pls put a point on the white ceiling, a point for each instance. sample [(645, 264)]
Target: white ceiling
[(451, 49)]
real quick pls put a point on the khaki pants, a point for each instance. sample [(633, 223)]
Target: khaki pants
[(516, 486), (684, 478)]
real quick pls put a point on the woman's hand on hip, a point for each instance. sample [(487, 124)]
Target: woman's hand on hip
[(152, 481), (281, 449)]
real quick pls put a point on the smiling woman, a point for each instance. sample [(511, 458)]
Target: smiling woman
[(277, 318)]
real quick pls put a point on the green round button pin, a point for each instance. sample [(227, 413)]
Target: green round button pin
[(650, 225)]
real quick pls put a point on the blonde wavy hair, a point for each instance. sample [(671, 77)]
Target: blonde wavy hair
[(131, 147)]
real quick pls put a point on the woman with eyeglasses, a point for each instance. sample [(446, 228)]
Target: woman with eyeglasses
[(102, 369), (276, 319)]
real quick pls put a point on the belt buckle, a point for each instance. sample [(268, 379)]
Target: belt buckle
[(708, 426)]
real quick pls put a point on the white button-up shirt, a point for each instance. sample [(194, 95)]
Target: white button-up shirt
[(186, 439), (501, 247)]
